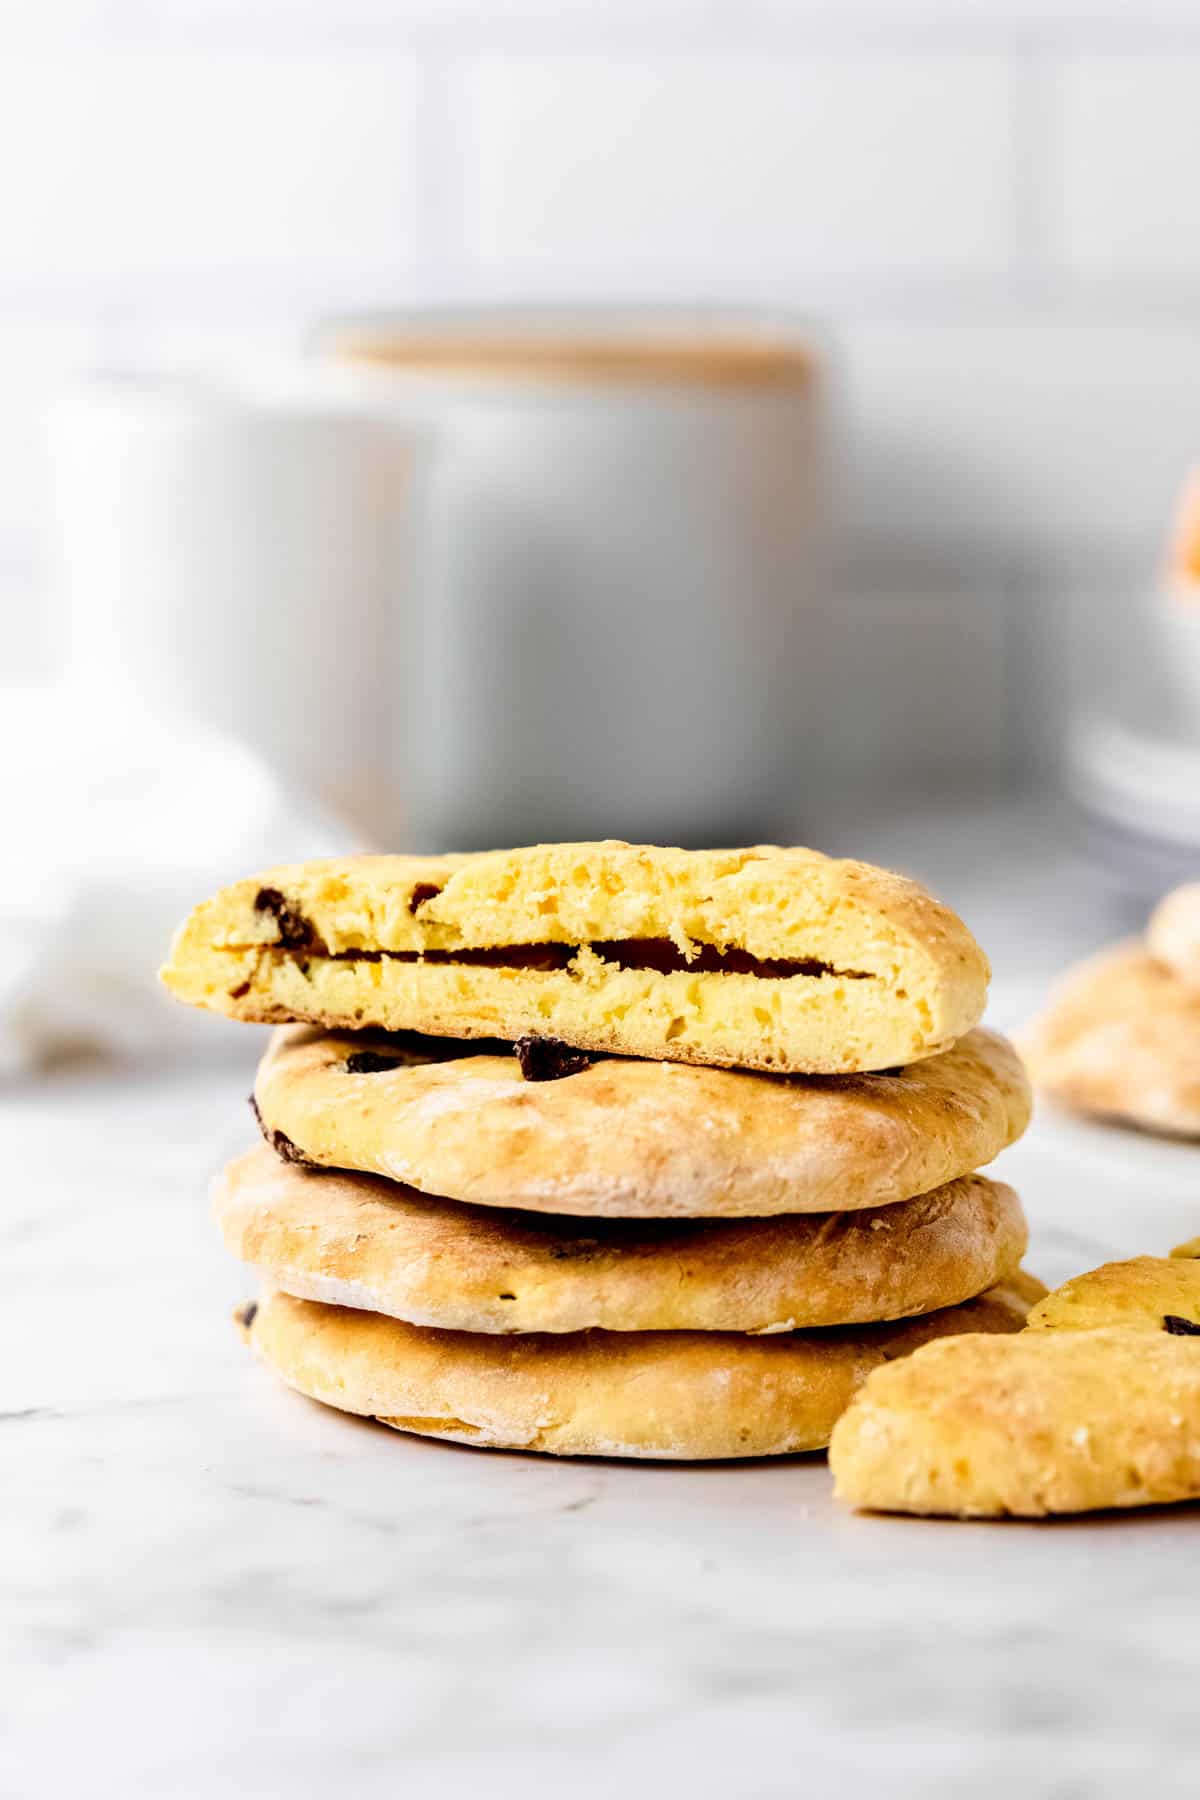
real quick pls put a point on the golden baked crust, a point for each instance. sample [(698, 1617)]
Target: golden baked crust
[(676, 1395), (1121, 1038), (1173, 934), (1146, 1291), (764, 958), (356, 1241), (1040, 1423), (633, 1139)]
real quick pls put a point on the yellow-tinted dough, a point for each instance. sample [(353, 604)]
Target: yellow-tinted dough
[(854, 967)]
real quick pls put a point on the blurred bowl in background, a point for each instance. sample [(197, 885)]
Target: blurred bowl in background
[(1137, 791)]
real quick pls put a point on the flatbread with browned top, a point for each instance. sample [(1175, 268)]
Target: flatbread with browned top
[(678, 1395), (357, 1241), (1043, 1423), (1095, 1405), (1157, 1292), (623, 1138), (1121, 1039)]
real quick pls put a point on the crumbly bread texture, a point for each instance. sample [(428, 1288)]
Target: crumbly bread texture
[(1173, 935), (1147, 1291), (1121, 1038), (674, 1395), (356, 1241), (767, 958), (625, 1138), (1042, 1423)]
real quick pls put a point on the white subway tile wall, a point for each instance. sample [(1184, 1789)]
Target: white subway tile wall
[(167, 177), (989, 208), (742, 174), (1065, 430), (1124, 208)]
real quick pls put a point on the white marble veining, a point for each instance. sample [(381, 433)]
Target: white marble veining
[(211, 1585)]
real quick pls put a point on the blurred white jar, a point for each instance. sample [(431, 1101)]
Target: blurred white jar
[(1179, 608), (231, 551), (473, 580), (623, 602)]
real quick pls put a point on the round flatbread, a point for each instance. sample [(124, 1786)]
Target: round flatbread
[(354, 1240), (1173, 934), (628, 1139), (677, 1395), (1121, 1039), (1045, 1422), (1160, 1293)]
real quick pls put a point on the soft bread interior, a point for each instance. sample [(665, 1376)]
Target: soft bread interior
[(765, 958)]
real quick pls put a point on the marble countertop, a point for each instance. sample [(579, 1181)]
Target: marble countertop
[(213, 1585)]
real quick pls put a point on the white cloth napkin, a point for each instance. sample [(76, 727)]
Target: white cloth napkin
[(117, 820)]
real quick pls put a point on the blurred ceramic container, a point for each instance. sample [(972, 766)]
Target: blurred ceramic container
[(1132, 752), (622, 579), (1179, 608), (230, 552), (472, 581)]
